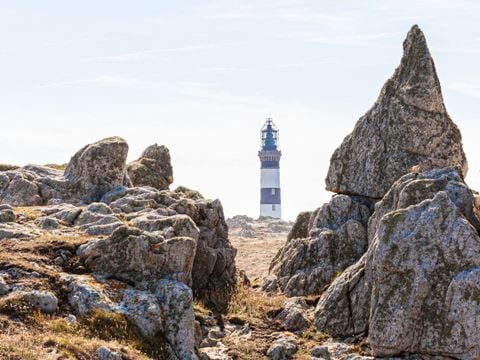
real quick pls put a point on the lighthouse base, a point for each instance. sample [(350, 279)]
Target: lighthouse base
[(272, 210)]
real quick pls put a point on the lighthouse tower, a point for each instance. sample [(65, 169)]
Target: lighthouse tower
[(270, 204)]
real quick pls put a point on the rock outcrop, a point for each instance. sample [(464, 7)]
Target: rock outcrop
[(407, 126), (142, 252), (337, 238), (415, 288), (153, 168), (98, 168), (93, 171)]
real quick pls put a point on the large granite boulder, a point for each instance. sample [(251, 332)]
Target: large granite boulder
[(213, 272), (140, 257), (98, 168), (407, 126), (153, 168), (416, 289), (335, 238)]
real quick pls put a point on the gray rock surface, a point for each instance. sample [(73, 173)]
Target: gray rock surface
[(105, 353), (97, 168), (283, 348), (294, 317), (381, 147), (337, 237), (153, 168), (44, 301), (414, 290), (143, 257)]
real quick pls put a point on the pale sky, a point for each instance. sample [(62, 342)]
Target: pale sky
[(201, 77)]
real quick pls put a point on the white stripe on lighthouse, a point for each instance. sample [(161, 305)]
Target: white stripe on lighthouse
[(270, 178), (272, 210)]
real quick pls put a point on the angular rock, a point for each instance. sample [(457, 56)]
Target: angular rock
[(214, 266), (6, 215), (105, 353), (283, 348), (153, 168), (143, 310), (133, 255), (21, 191), (301, 226), (176, 301), (97, 168), (407, 126), (337, 237), (293, 316), (98, 219), (343, 310), (414, 290), (419, 253), (85, 295)]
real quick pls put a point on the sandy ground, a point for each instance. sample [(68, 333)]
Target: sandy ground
[(254, 254)]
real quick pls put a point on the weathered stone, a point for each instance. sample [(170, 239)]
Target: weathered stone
[(105, 353), (283, 348), (331, 350), (343, 310), (418, 253), (337, 238), (301, 226), (413, 188), (153, 168), (97, 168), (415, 288), (7, 215), (270, 284), (407, 126), (4, 287), (21, 191), (97, 219), (137, 256), (44, 301), (48, 223), (176, 300), (292, 317), (85, 295), (143, 309)]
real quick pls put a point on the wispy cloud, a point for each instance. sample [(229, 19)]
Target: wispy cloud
[(150, 54), (304, 64), (97, 80), (469, 88), (225, 69), (365, 40)]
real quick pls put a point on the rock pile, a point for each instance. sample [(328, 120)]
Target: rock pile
[(149, 250), (396, 254), (247, 227)]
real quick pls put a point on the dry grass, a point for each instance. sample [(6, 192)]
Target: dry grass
[(40, 336), (37, 254), (253, 305), (255, 254), (57, 166), (7, 167), (30, 212)]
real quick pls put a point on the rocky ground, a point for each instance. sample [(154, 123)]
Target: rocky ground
[(257, 241), (100, 259)]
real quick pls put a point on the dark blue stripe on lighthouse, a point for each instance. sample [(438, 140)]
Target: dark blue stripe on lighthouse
[(270, 196), (270, 164)]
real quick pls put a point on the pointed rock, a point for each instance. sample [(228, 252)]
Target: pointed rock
[(407, 126)]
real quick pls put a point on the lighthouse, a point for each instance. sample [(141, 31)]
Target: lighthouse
[(269, 154)]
